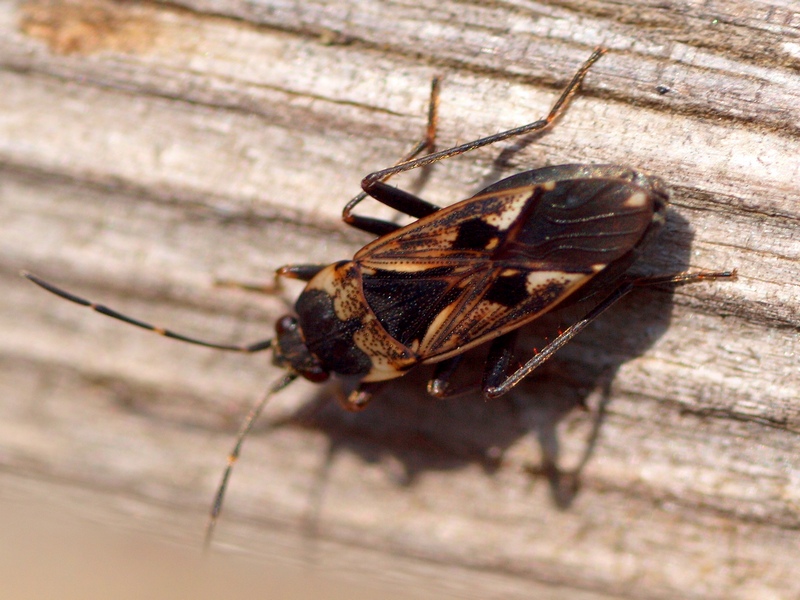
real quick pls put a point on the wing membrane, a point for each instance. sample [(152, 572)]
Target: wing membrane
[(484, 266)]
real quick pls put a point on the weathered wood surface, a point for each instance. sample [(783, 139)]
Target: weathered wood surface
[(147, 149)]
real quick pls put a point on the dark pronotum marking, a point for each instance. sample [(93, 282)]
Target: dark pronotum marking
[(329, 338)]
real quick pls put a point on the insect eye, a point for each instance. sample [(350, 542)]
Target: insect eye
[(285, 325)]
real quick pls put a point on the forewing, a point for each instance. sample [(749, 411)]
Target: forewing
[(484, 266)]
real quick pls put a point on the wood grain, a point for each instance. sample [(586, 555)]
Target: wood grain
[(150, 149)]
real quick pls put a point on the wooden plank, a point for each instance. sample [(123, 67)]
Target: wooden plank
[(147, 149)]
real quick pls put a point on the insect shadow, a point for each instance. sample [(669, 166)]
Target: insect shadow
[(412, 433)]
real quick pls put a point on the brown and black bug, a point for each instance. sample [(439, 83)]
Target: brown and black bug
[(460, 276)]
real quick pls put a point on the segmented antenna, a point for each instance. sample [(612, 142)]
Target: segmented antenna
[(233, 456), (109, 312)]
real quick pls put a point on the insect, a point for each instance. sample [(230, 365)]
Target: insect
[(458, 277)]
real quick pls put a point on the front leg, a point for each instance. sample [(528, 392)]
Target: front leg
[(301, 272)]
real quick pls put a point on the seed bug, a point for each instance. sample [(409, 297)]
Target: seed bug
[(458, 277)]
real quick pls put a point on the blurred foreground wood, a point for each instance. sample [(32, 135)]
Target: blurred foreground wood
[(150, 149)]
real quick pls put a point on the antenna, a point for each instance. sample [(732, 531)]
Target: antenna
[(233, 456), (109, 312)]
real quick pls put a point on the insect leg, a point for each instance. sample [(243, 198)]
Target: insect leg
[(361, 396), (439, 387), (498, 383), (557, 109), (416, 206), (301, 272), (110, 312), (259, 288), (500, 354), (395, 198)]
